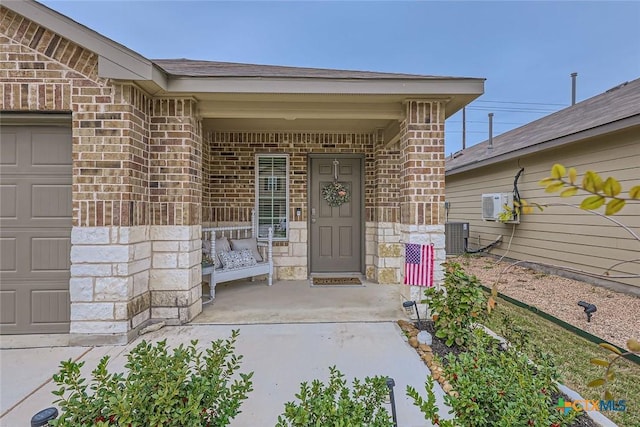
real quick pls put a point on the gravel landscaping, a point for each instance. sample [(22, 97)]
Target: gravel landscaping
[(616, 319)]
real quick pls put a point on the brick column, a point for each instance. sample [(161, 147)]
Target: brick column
[(111, 253), (176, 210), (422, 178)]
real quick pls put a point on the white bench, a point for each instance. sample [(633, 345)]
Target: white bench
[(219, 275)]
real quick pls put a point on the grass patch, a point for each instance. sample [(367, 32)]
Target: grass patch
[(571, 354)]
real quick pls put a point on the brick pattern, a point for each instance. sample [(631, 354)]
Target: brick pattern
[(387, 183), (35, 65), (231, 173), (422, 163), (41, 71), (111, 156), (176, 163)]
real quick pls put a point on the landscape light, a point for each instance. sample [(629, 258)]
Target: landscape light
[(589, 309), (407, 308)]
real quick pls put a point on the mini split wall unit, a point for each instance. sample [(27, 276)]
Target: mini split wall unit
[(494, 204)]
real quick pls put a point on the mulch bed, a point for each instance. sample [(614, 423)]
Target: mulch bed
[(441, 350)]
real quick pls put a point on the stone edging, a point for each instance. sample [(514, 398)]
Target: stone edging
[(437, 373)]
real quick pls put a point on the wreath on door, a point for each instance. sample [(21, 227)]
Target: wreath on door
[(335, 194)]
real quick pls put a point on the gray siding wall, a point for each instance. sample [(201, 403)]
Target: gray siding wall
[(561, 236)]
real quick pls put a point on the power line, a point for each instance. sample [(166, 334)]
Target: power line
[(523, 103), (469, 131), (511, 110), (484, 122)]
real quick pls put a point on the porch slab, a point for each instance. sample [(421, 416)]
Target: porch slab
[(296, 301)]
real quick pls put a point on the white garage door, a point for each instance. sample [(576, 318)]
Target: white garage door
[(35, 229)]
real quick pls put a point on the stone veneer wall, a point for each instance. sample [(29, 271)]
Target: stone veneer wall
[(136, 183), (109, 286)]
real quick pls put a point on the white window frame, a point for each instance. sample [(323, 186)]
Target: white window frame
[(280, 227)]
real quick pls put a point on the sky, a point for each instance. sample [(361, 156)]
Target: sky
[(526, 51)]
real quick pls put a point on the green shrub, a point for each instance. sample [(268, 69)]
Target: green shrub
[(180, 388), (458, 306), (335, 405), (497, 387), (428, 407)]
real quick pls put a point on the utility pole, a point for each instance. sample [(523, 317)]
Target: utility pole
[(464, 127), (490, 131)]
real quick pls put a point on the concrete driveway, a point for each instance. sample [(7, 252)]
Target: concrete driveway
[(281, 356)]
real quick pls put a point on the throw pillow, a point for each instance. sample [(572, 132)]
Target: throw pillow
[(222, 244), (206, 247), (250, 243), (236, 259)]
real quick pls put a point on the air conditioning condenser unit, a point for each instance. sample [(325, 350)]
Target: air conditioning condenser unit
[(456, 235)]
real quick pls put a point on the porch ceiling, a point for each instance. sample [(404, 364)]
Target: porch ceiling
[(312, 112)]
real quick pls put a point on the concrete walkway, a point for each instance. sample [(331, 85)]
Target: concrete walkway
[(289, 333), (281, 355)]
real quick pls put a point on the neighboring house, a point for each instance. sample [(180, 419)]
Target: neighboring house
[(601, 134), (112, 163)]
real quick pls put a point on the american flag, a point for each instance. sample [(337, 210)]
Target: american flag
[(419, 263)]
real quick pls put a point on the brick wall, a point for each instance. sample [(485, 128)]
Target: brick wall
[(36, 65), (387, 183), (231, 173), (176, 163), (111, 156), (422, 163)]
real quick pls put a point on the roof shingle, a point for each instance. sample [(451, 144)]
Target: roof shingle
[(196, 68), (615, 104)]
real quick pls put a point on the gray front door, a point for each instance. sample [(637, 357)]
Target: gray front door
[(35, 229), (336, 232)]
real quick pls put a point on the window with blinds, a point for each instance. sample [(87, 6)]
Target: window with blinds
[(272, 195)]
